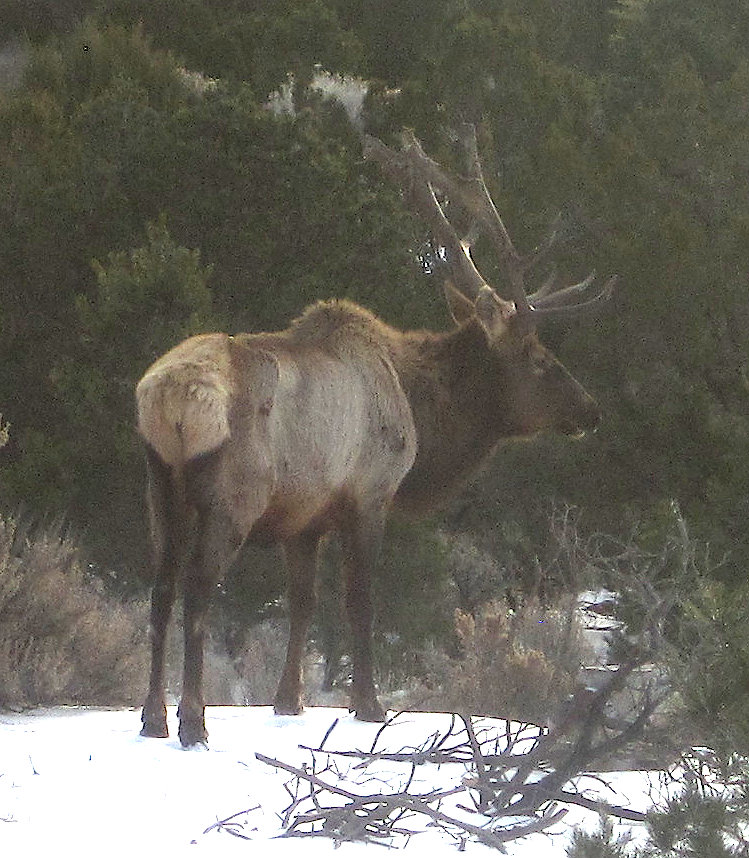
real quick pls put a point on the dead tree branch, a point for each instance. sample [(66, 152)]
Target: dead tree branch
[(504, 780), (516, 781)]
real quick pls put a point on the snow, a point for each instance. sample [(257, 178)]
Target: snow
[(83, 779)]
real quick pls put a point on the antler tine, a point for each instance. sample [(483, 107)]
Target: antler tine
[(414, 172), (560, 302), (546, 288), (467, 276), (547, 300), (486, 211), (550, 294), (544, 248)]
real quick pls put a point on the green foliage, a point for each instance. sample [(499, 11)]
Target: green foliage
[(162, 284), (261, 43), (146, 301), (412, 597), (62, 206), (705, 818), (86, 63), (695, 824), (599, 844), (40, 18), (710, 668), (708, 814)]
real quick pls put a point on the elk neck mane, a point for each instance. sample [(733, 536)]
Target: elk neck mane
[(451, 385), (339, 323)]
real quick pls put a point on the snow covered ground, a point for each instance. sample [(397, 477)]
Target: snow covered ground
[(83, 781)]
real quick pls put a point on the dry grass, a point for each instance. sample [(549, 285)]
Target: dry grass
[(249, 677), (519, 665), (62, 640)]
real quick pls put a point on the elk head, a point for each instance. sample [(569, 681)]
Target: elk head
[(533, 390)]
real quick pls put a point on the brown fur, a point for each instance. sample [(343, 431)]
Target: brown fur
[(281, 437)]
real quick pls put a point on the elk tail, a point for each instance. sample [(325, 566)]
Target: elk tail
[(182, 417)]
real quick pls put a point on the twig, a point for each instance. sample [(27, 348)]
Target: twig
[(600, 807), (486, 793), (328, 732), (418, 757), (230, 826)]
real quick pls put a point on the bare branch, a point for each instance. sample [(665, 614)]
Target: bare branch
[(231, 824), (328, 732), (601, 807), (512, 794), (482, 784), (420, 804)]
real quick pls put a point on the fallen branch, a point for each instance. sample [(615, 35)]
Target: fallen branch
[(515, 781), (362, 811), (602, 808)]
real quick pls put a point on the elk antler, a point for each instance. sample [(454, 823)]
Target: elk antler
[(406, 169), (417, 175)]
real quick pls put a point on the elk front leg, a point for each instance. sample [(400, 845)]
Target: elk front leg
[(361, 546), (301, 563)]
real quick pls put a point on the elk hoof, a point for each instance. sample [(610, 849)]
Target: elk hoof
[(192, 730), (281, 709), (288, 703), (154, 723), (292, 706), (155, 731), (193, 735)]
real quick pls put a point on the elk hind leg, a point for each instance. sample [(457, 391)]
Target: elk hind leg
[(217, 542), (165, 508), (301, 565), (361, 539)]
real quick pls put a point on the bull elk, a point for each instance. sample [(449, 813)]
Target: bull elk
[(328, 425)]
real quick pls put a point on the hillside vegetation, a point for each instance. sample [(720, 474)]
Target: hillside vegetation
[(147, 192)]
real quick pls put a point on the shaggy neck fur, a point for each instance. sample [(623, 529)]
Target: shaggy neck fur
[(453, 387)]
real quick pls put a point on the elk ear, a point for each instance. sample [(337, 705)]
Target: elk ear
[(493, 312), (459, 306)]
